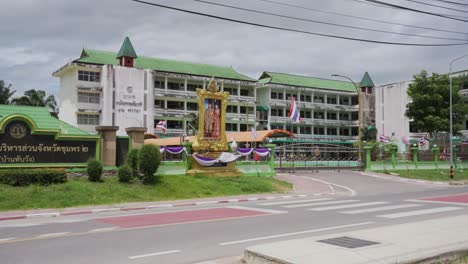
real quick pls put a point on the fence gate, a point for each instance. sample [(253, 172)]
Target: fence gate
[(314, 155)]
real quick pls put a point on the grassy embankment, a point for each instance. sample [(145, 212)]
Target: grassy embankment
[(430, 175), (81, 192)]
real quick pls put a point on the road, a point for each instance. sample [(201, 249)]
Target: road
[(198, 233)]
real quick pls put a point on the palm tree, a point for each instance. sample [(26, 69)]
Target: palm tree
[(5, 93), (38, 98)]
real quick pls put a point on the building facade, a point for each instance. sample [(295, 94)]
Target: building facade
[(126, 90)]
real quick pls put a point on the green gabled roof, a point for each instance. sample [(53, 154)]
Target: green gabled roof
[(106, 57), (127, 49), (306, 81), (367, 81), (42, 119)]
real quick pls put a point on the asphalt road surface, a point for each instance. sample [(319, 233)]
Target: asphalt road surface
[(204, 232)]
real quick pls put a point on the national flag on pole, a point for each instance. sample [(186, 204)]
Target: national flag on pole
[(423, 141), (294, 113), (162, 125), (254, 133), (405, 140), (384, 139)]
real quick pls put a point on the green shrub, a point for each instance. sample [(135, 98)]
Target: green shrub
[(94, 170), (132, 161), (125, 174), (149, 159), (23, 177)]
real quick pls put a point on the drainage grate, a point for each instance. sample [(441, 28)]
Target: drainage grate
[(348, 242)]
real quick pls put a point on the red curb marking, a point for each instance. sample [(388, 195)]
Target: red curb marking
[(463, 198), (77, 213), (178, 217), (13, 217)]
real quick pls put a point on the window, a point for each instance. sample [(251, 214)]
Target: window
[(244, 92), (331, 100), (344, 131), (243, 110), (308, 98), (318, 115), (273, 95), (232, 109), (193, 87), (332, 131), (243, 127), (175, 105), (88, 119), (175, 86), (159, 103), (331, 116), (306, 130), (319, 131), (231, 127), (159, 84), (344, 100), (88, 98), (89, 76), (318, 99), (173, 124), (192, 106), (344, 116), (354, 116), (231, 90), (308, 114)]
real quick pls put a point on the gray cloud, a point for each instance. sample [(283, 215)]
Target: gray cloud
[(38, 37)]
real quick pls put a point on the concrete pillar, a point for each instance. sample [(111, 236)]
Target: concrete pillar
[(368, 157), (137, 137), (109, 144)]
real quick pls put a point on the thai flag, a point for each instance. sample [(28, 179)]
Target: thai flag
[(384, 139), (162, 125), (254, 133), (294, 113), (423, 141)]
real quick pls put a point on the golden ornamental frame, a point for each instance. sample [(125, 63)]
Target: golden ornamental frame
[(209, 144)]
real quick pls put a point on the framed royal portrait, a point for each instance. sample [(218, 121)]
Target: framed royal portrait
[(212, 105)]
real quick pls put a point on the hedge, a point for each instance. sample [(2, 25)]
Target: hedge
[(23, 177)]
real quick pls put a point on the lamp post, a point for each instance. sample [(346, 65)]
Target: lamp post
[(451, 115), (359, 113)]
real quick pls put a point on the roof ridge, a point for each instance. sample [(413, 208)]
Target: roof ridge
[(305, 76)]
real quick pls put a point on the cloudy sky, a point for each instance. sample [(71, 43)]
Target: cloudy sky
[(40, 36)]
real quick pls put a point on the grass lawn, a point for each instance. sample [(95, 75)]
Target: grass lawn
[(80, 192), (431, 175)]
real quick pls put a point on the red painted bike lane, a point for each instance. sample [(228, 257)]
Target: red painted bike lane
[(461, 198), (179, 217)]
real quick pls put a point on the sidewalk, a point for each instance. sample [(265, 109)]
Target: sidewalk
[(306, 189), (402, 243)]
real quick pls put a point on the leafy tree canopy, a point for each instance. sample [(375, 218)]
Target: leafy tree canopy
[(430, 103), (38, 98), (5, 93)]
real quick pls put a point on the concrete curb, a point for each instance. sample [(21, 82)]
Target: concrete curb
[(149, 207), (392, 177)]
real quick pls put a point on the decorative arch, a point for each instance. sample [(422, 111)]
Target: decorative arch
[(17, 117)]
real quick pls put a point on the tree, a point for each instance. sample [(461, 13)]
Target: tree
[(37, 98), (5, 93), (430, 102), (369, 133), (149, 159)]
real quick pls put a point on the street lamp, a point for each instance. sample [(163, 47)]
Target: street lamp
[(359, 113), (451, 115)]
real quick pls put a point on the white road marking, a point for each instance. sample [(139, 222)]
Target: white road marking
[(258, 209), (103, 229), (6, 239), (293, 234), (55, 214), (346, 206), (420, 212), (437, 202), (383, 208), (154, 254), (297, 201), (330, 184), (320, 203), (54, 234)]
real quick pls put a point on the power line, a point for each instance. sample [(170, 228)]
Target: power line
[(416, 10), (451, 2), (321, 22), (361, 18), (438, 6), (297, 30)]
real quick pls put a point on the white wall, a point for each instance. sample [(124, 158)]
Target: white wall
[(390, 108), (68, 97)]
